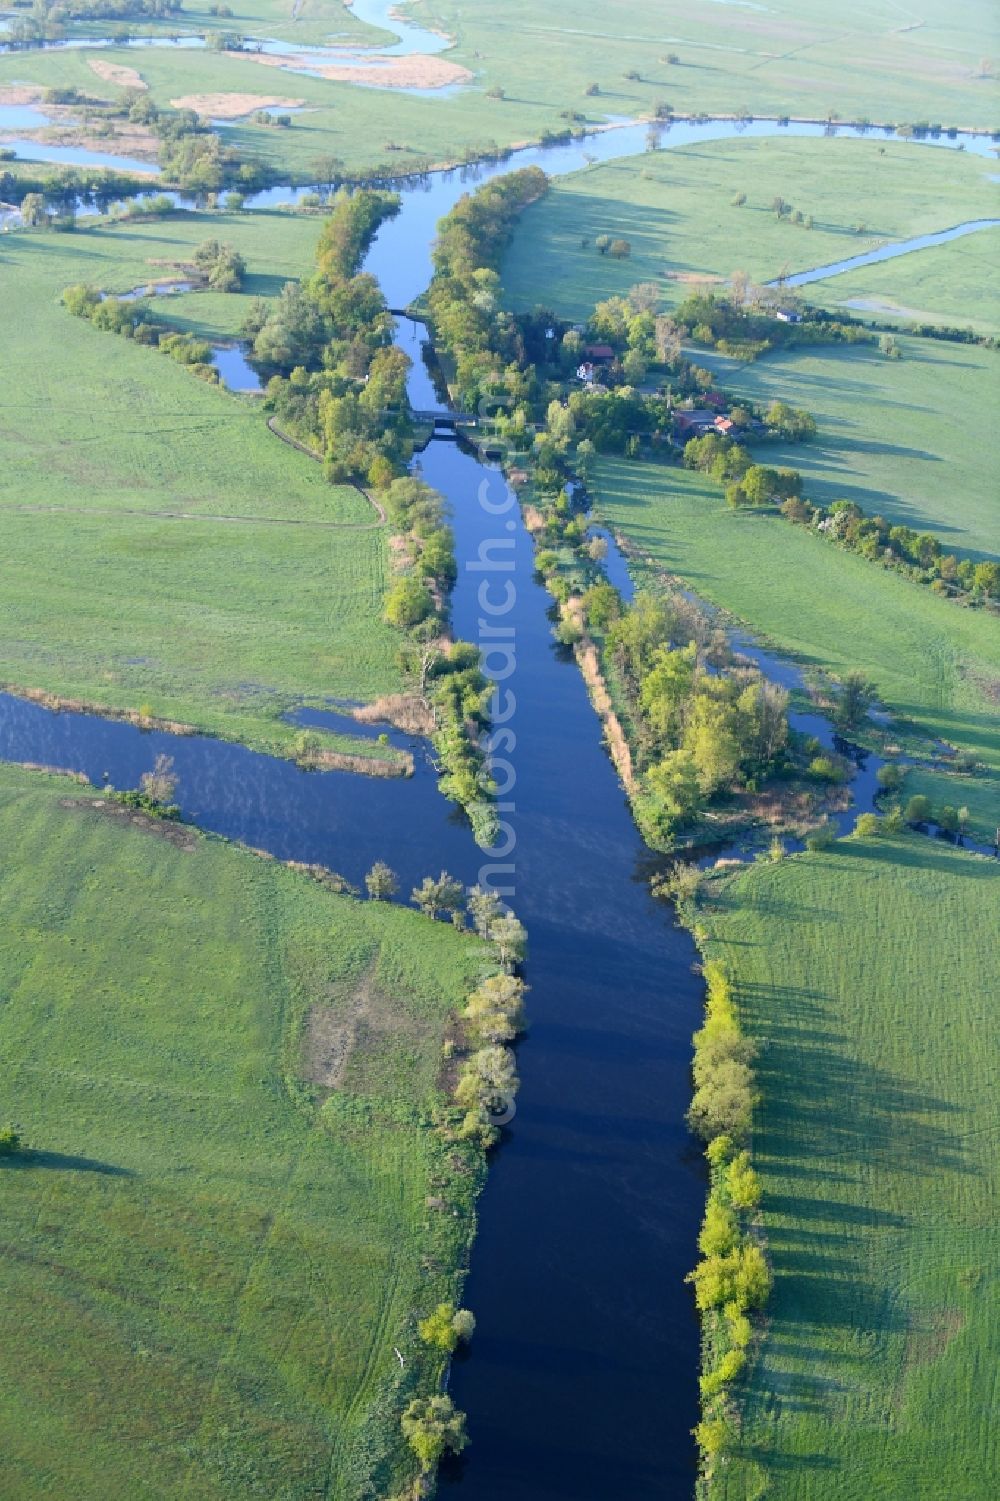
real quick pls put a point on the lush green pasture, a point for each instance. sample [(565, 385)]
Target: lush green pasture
[(218, 623), (795, 56), (204, 1273), (915, 439), (362, 126), (934, 663), (789, 58), (955, 284), (865, 974), (676, 209)]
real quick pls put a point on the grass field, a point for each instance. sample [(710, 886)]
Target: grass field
[(955, 284), (676, 209), (205, 1272), (790, 55), (864, 975), (934, 663), (915, 439), (786, 58), (216, 623)]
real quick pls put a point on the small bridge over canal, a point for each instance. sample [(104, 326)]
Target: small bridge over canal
[(446, 421)]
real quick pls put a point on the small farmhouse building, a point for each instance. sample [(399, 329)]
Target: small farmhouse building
[(694, 424)]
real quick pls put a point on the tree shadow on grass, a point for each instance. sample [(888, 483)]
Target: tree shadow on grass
[(62, 1162)]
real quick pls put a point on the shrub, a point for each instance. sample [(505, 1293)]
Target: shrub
[(822, 837), (824, 769), (432, 1425), (918, 809), (867, 824), (408, 603)]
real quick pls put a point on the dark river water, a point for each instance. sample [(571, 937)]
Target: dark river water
[(581, 1384)]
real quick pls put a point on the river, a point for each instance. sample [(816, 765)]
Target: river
[(581, 1384)]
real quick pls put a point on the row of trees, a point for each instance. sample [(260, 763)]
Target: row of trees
[(483, 1093), (131, 321), (744, 325), (451, 680), (732, 1280), (919, 555), (485, 342), (337, 383), (746, 483)]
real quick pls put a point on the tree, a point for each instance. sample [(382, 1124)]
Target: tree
[(432, 1425), (890, 776), (856, 696), (620, 249), (918, 809), (484, 905), (464, 1324), (603, 244), (644, 296), (511, 939), (10, 1141), (434, 897), (443, 1329), (408, 603), (724, 1103), (742, 1183), (947, 819), (866, 825), (33, 210), (494, 1012), (382, 882), (986, 579), (710, 740), (160, 784), (328, 170), (719, 1230)]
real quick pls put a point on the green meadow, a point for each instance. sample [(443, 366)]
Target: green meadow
[(954, 284), (788, 56), (676, 209), (934, 663), (221, 623), (916, 439), (545, 59), (863, 974), (209, 1254)]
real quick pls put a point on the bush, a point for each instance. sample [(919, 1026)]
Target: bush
[(408, 603), (432, 1425), (867, 824), (918, 809), (822, 837)]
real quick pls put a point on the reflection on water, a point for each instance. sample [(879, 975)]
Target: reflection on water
[(231, 362)]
